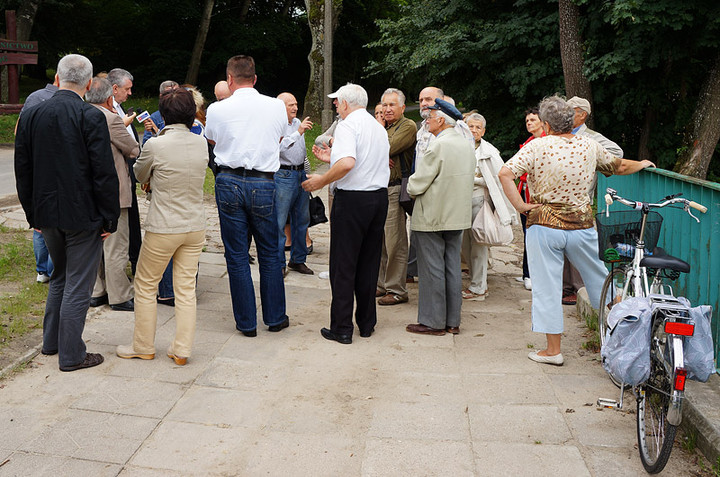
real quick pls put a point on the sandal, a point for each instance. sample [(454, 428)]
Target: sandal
[(392, 299), (468, 295)]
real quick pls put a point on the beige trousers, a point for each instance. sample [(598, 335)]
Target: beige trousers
[(111, 276), (155, 254), (394, 261), (475, 254)]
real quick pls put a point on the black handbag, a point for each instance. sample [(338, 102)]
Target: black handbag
[(317, 211)]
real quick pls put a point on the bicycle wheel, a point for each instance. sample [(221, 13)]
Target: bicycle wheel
[(610, 294), (655, 433)]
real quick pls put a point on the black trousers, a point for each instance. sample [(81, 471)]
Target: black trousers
[(357, 223), (76, 256)]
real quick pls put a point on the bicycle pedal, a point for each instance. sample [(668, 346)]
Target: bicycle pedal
[(608, 403)]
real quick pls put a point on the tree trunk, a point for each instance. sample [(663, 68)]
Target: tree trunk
[(576, 84), (314, 96), (705, 133), (26, 18), (194, 68), (644, 146)]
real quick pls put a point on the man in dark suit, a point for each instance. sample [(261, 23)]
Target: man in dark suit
[(68, 187), (122, 82)]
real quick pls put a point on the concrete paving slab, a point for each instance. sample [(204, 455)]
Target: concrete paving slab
[(421, 420), (136, 471), (243, 375), (131, 396), (593, 426), (303, 455), (24, 464), (528, 460), (93, 435), (200, 405), (509, 389), (417, 458), (187, 448), (420, 386), (525, 424)]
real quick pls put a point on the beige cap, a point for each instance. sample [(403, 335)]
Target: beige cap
[(581, 103)]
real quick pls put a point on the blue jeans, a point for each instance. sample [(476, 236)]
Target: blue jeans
[(546, 249), (247, 204), (43, 262), (291, 200)]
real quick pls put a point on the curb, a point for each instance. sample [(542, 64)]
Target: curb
[(26, 358), (701, 415)]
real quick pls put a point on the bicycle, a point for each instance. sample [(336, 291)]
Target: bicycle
[(628, 241)]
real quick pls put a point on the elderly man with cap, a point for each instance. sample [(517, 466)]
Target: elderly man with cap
[(572, 281), (359, 169), (442, 186)]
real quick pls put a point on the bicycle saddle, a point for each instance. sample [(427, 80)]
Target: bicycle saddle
[(660, 259)]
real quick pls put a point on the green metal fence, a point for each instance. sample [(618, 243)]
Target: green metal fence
[(682, 237)]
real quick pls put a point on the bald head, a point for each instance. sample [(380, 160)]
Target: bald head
[(222, 90), (427, 98), (291, 105)]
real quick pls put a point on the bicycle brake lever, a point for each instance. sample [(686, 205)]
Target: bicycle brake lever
[(687, 209)]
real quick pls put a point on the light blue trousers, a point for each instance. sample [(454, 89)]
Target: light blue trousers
[(545, 249)]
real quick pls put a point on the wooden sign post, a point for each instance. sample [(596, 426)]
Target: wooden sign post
[(12, 54)]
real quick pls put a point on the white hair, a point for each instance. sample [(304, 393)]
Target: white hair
[(400, 95), (119, 76), (354, 94), (448, 120), (74, 69), (476, 117)]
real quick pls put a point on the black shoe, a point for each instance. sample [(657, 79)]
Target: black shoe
[(99, 301), (300, 268), (249, 334), (288, 247), (125, 306), (49, 353), (166, 301), (367, 335), (91, 359), (280, 326), (251, 259), (329, 335)]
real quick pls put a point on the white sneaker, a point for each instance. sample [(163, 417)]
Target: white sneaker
[(42, 278), (519, 279), (557, 360), (527, 283)]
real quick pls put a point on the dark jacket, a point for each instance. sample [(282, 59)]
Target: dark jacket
[(64, 169), (402, 136)]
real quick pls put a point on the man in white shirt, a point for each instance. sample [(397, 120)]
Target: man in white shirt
[(359, 169), (246, 129), (290, 198)]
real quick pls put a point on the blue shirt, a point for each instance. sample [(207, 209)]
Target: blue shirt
[(37, 97), (160, 123)]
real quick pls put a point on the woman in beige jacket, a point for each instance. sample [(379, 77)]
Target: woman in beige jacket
[(174, 165)]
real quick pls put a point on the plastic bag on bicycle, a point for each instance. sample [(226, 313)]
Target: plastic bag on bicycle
[(699, 349), (626, 352)]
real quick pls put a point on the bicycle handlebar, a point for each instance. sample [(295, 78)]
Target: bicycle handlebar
[(611, 196)]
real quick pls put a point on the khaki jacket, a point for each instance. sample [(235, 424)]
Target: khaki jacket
[(124, 147), (443, 185), (174, 164)]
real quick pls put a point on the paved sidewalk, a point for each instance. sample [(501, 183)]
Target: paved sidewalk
[(293, 403)]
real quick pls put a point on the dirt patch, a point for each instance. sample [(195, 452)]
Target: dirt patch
[(19, 346)]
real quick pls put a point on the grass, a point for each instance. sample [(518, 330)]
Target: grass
[(21, 307), (7, 128)]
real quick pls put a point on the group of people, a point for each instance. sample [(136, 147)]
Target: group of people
[(75, 166)]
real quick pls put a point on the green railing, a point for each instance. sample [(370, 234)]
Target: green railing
[(682, 237)]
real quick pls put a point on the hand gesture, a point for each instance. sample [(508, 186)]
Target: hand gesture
[(322, 153), (305, 125)]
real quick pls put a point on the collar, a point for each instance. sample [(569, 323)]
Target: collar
[(173, 128), (396, 123)]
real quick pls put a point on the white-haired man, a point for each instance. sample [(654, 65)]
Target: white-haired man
[(401, 131), (68, 187), (112, 285), (360, 173)]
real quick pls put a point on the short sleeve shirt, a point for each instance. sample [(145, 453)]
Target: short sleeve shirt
[(560, 173)]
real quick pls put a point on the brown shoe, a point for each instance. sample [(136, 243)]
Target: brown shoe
[(392, 299), (300, 268), (423, 330), (179, 360), (379, 293), (453, 329)]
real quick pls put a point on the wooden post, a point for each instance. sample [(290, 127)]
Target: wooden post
[(13, 78)]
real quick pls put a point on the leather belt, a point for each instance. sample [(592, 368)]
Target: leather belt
[(292, 168), (241, 171)]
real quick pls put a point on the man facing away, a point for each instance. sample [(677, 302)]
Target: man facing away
[(68, 187), (401, 133), (246, 129), (359, 168), (290, 198), (112, 284)]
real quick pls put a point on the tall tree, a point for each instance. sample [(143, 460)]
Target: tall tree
[(316, 57), (26, 17), (705, 128), (576, 83), (194, 68)]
